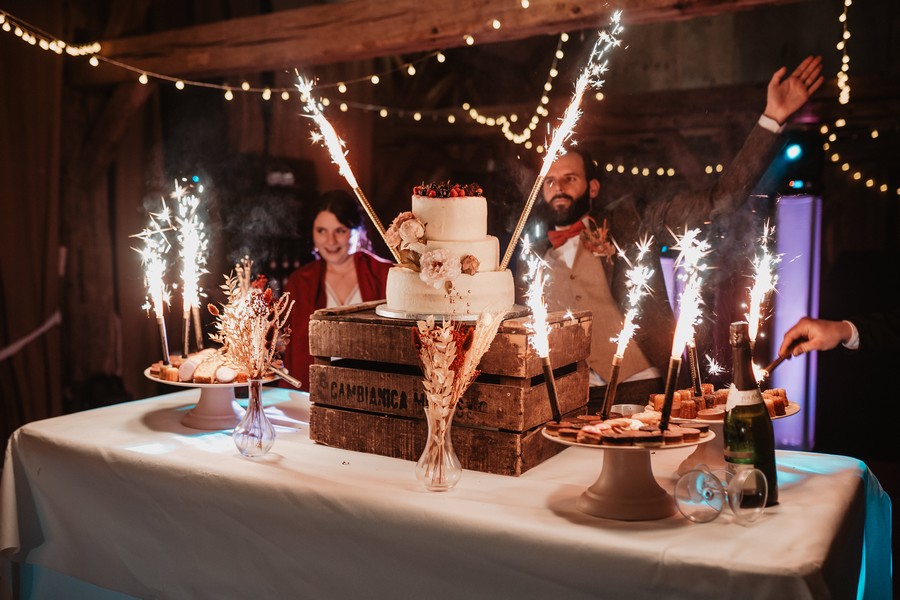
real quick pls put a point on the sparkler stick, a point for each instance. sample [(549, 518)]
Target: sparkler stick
[(589, 77), (694, 362), (540, 341), (671, 379), (335, 145), (767, 371), (638, 276), (156, 245), (198, 328), (692, 250), (611, 386)]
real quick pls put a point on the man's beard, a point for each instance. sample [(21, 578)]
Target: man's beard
[(563, 217)]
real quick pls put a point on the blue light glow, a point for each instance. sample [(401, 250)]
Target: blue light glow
[(793, 152), (797, 184)]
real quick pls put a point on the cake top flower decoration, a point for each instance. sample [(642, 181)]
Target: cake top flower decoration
[(406, 237)]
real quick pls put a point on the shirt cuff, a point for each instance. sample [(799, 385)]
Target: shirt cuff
[(853, 342), (770, 124)]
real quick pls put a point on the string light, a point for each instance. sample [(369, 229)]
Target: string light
[(36, 37), (843, 82)]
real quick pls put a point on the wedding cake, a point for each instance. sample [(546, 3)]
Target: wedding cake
[(449, 265)]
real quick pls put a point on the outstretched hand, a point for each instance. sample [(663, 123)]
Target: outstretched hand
[(786, 95), (813, 334)]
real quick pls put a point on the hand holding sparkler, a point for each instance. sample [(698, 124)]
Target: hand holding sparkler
[(767, 371), (589, 77)]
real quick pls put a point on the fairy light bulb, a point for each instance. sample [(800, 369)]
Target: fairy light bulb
[(342, 87), (285, 95), (143, 78), (94, 61), (229, 95), (245, 86), (266, 94), (411, 70), (179, 84), (375, 79)]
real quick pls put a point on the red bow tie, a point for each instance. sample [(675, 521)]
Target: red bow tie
[(558, 237)]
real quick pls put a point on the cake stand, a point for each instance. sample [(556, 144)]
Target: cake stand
[(713, 455), (626, 489), (216, 408), (382, 310)]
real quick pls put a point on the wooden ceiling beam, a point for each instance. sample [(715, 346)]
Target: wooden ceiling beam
[(365, 29)]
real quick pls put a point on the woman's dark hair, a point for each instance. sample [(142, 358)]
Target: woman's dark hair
[(344, 206)]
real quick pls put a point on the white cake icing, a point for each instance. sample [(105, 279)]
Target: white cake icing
[(458, 225), (452, 219), (490, 291)]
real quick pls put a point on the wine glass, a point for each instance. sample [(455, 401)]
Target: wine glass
[(701, 494)]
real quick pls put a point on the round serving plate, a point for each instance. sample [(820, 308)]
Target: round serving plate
[(216, 408), (626, 489), (383, 311), (713, 455)]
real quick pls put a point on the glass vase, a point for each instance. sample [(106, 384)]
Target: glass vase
[(438, 468), (254, 435)]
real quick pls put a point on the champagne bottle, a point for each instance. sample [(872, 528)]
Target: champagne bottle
[(749, 438)]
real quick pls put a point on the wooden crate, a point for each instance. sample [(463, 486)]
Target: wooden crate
[(367, 393)]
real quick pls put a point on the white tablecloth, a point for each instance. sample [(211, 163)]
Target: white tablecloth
[(128, 499)]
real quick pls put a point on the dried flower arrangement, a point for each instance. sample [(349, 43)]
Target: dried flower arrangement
[(450, 354), (406, 236), (252, 325)]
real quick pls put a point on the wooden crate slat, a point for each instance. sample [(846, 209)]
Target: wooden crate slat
[(514, 408), (482, 450), (364, 335)]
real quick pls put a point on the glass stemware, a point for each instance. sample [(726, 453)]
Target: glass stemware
[(701, 494)]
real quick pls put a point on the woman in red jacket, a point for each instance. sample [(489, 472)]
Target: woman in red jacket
[(344, 273)]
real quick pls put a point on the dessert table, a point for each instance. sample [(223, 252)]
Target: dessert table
[(127, 500)]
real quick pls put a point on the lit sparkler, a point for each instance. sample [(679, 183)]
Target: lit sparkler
[(692, 250), (153, 257), (193, 245), (590, 77), (540, 340), (335, 146), (638, 277), (764, 280)]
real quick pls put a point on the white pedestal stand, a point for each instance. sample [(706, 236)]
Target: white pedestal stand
[(626, 489), (216, 409)]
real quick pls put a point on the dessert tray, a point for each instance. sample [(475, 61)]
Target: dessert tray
[(713, 455), (216, 408), (626, 489)]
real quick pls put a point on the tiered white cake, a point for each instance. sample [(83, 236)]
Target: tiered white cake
[(449, 264)]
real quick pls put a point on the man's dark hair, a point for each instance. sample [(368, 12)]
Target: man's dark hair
[(590, 167)]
